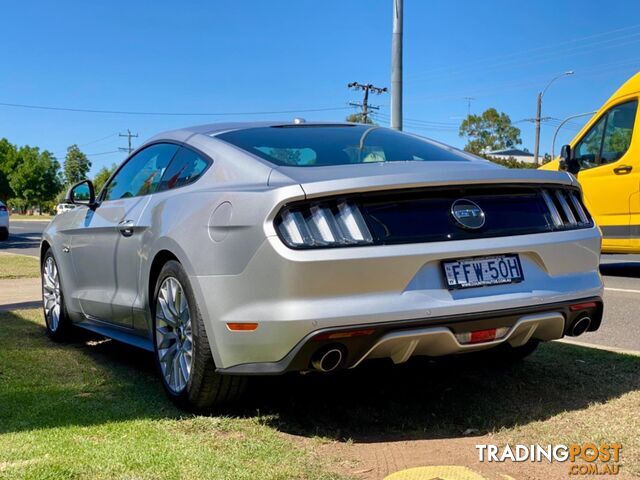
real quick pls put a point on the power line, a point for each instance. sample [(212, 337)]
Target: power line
[(98, 140), (601, 70), (129, 136), (366, 88), (481, 64), (422, 121), (182, 114), (102, 153)]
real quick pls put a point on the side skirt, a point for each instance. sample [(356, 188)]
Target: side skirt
[(119, 334)]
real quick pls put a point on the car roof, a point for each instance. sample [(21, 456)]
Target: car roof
[(212, 129)]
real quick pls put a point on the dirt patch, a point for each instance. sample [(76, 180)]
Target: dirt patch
[(377, 460)]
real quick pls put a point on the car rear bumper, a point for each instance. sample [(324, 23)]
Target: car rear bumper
[(293, 294), (430, 337)]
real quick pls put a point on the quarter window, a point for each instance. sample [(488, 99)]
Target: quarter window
[(142, 172), (609, 139), (185, 168)]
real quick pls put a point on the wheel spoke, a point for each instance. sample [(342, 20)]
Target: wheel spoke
[(165, 312), (167, 354), (165, 337)]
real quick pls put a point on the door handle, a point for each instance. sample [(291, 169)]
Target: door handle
[(126, 228), (622, 169)]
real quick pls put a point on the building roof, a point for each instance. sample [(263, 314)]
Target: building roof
[(514, 152)]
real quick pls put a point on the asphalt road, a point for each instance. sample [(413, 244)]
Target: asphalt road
[(620, 327), (24, 237)]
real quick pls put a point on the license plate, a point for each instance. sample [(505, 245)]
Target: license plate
[(481, 271)]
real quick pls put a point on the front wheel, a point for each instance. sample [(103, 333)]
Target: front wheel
[(182, 351), (57, 321)]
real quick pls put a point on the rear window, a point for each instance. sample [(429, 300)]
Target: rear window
[(321, 145)]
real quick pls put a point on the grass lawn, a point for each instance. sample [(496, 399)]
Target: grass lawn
[(95, 410), (18, 266), (39, 218)]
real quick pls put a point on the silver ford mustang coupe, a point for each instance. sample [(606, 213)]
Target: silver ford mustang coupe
[(240, 249)]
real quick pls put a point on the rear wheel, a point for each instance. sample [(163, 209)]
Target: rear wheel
[(183, 354), (4, 234), (57, 321)]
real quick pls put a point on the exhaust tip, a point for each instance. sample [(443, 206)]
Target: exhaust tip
[(580, 326), (328, 360)]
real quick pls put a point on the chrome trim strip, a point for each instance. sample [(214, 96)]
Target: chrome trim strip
[(565, 207), (555, 215), (578, 206)]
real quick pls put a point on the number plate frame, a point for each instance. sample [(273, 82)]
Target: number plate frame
[(487, 281)]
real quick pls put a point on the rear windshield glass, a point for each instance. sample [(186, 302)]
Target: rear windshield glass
[(318, 145)]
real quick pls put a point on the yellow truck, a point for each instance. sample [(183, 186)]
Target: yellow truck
[(605, 157)]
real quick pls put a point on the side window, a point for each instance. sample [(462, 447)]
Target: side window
[(142, 172), (609, 139), (186, 168), (617, 134), (587, 151)]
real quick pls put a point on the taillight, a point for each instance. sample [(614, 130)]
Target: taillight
[(327, 224)]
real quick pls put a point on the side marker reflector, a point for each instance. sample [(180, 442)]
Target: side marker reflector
[(582, 306), (242, 327)]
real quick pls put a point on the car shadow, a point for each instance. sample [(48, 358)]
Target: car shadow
[(92, 380), (445, 397), (19, 242)]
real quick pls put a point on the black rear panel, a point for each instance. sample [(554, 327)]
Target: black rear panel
[(425, 216)]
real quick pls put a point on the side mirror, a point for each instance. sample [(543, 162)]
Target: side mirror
[(82, 193), (567, 162)]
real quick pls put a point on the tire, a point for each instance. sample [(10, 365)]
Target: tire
[(192, 384), (57, 321), (4, 234)]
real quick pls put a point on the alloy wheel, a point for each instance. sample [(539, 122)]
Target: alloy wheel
[(51, 293), (174, 336)]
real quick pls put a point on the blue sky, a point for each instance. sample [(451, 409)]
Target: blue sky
[(258, 55)]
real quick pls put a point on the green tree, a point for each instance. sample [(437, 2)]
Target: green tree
[(359, 118), (492, 130), (36, 177), (8, 158), (102, 176), (76, 165)]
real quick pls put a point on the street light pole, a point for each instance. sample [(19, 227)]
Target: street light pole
[(536, 150), (396, 66)]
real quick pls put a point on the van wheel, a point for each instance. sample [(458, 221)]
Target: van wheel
[(182, 352)]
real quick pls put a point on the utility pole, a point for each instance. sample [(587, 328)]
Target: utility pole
[(365, 100), (536, 149), (129, 136), (396, 66), (469, 100)]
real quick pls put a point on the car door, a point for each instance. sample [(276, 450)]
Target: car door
[(106, 248), (610, 172)]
